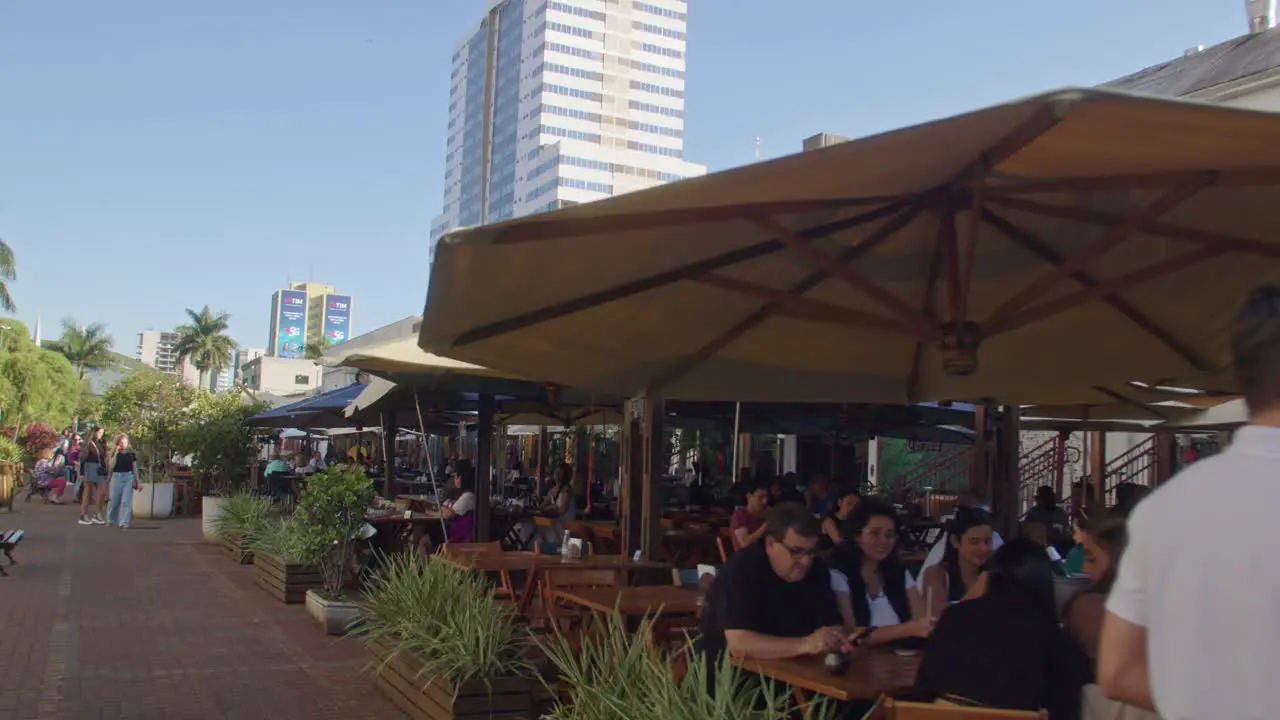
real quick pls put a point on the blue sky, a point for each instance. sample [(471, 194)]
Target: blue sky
[(158, 155)]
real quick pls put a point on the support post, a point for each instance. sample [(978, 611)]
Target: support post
[(1005, 479), (388, 454), (1098, 465), (484, 466), (1166, 457), (655, 465), (631, 489), (979, 469)]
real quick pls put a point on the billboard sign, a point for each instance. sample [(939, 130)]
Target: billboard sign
[(291, 325), (337, 319)]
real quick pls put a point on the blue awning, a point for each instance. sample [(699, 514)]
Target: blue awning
[(323, 410)]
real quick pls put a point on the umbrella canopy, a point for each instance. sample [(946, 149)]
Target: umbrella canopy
[(1228, 415), (1041, 251), (318, 411)]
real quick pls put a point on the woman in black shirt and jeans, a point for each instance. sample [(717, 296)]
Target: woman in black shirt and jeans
[(124, 465)]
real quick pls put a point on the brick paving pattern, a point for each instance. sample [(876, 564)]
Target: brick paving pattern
[(152, 624)]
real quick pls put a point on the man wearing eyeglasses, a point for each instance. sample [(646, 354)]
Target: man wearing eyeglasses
[(773, 599)]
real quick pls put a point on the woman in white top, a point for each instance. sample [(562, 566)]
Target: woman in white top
[(883, 593)]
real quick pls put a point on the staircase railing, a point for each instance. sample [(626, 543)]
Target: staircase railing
[(1040, 466), (945, 472), (1135, 465)]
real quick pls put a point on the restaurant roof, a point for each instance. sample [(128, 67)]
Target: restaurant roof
[(1226, 62)]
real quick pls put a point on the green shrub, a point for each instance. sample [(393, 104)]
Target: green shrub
[(244, 517), (444, 616), (619, 674), (285, 540), (10, 451), (331, 512)]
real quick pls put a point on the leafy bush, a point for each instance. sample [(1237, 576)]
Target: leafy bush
[(220, 443), (444, 616), (37, 440), (244, 517), (285, 540), (618, 674), (331, 511), (10, 451)]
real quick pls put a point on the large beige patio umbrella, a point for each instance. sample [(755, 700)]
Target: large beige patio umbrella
[(1043, 251), (403, 357)]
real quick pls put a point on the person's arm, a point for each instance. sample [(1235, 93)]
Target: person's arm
[(748, 643), (1084, 621), (918, 626), (933, 585), (1123, 672), (831, 529)]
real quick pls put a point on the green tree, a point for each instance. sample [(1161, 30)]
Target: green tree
[(316, 350), (87, 348), (221, 444), (150, 407), (8, 273), (36, 385), (204, 341)]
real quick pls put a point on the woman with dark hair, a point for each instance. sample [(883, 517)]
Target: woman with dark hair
[(460, 511), (882, 591), (1103, 540), (969, 536), (1005, 649), (844, 504)]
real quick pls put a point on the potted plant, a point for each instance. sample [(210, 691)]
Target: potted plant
[(155, 499), (332, 510), (243, 520), (443, 646), (221, 447), (616, 673), (282, 560), (10, 470), (150, 407)]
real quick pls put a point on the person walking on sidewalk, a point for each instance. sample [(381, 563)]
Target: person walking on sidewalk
[(124, 479), (93, 473)]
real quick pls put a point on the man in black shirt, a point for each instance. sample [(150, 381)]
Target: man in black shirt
[(773, 599)]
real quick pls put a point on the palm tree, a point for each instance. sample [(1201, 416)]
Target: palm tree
[(88, 348), (8, 273), (315, 350), (205, 343)]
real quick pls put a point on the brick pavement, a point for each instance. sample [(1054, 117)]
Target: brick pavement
[(152, 624)]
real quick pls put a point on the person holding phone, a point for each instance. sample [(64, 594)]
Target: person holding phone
[(124, 466), (93, 473)]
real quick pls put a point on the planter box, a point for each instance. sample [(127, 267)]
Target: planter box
[(237, 552), (154, 501), (423, 697), (211, 508), (335, 616), (9, 474), (287, 583)]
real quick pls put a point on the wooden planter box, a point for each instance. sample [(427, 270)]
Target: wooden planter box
[(286, 583), (423, 697), (237, 552)]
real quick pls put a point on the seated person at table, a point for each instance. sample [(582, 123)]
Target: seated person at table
[(1103, 540), (784, 489), (459, 512), (968, 538), (884, 595), (747, 524), (1049, 513), (1005, 649), (817, 495), (846, 501), (939, 548), (773, 600), (275, 472)]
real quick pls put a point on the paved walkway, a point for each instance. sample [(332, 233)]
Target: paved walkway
[(151, 624)]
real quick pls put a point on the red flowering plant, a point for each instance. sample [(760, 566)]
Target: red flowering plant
[(37, 440)]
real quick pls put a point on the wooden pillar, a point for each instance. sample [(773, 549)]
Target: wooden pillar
[(1005, 476), (655, 466), (388, 454), (484, 466), (1166, 457), (979, 469), (631, 488), (1060, 472), (1098, 465)]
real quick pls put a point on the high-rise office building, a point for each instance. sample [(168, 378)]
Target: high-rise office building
[(564, 102), (307, 313)]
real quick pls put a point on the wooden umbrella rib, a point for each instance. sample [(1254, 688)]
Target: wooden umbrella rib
[(1247, 177), (926, 307), (1028, 241), (1132, 403), (552, 228), (749, 323), (1102, 289), (808, 309), (662, 279), (1114, 236), (1171, 231), (841, 271)]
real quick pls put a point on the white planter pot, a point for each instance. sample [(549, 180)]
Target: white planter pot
[(211, 508), (163, 503), (334, 617)]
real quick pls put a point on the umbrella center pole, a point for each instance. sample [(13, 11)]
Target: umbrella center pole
[(959, 348)]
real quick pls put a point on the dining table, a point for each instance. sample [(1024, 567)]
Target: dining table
[(872, 672), (634, 601)]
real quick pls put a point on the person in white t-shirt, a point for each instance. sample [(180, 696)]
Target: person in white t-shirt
[(883, 593), (1193, 620)]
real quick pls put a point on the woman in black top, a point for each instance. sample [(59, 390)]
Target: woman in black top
[(124, 465), (1005, 648), (969, 536), (95, 478)]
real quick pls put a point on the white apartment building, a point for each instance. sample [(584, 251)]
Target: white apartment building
[(281, 376), (158, 349), (563, 102)]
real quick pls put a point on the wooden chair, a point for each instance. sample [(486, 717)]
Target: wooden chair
[(607, 539), (495, 546), (550, 581), (725, 546), (889, 709)]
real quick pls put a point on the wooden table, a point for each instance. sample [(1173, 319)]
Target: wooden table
[(872, 672), (412, 528), (632, 601)]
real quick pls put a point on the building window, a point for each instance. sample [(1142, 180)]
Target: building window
[(657, 89), (575, 72), (656, 109), (574, 51), (657, 30), (572, 10), (659, 11), (657, 69), (571, 30), (301, 380), (658, 50)]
